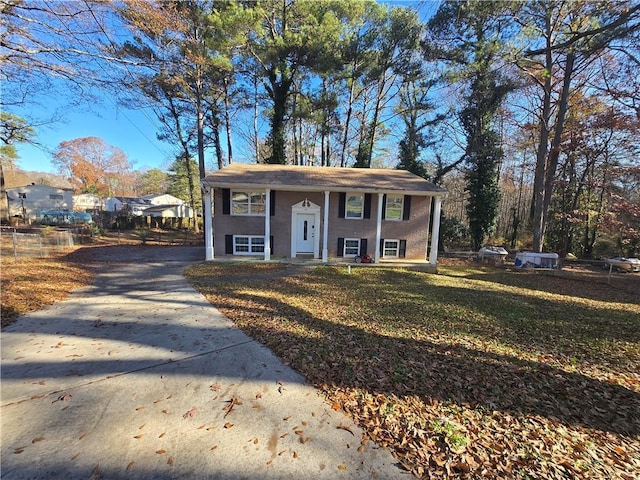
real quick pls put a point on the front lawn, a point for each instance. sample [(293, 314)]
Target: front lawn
[(472, 373)]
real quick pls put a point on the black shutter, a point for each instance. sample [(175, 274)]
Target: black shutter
[(340, 252), (382, 247), (402, 250), (273, 202), (407, 207), (367, 205), (226, 201), (271, 244), (228, 244), (342, 199), (384, 206), (363, 246)]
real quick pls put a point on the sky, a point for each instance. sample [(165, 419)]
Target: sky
[(133, 131)]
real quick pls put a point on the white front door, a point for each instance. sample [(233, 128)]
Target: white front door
[(305, 232)]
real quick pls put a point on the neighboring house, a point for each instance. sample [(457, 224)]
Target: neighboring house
[(169, 211), (162, 199), (146, 206), (321, 212), (87, 201), (132, 204), (27, 201)]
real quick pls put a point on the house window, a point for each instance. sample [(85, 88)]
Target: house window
[(354, 205), (55, 196), (351, 247), (248, 245), (393, 210), (391, 249), (248, 203)]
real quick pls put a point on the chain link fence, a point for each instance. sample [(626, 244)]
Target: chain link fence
[(18, 243)]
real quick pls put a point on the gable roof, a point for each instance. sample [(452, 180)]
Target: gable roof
[(295, 178)]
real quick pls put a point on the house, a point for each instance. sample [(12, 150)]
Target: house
[(169, 211), (28, 200), (133, 205), (87, 202), (138, 205), (321, 212)]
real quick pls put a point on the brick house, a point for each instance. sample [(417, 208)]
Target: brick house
[(321, 213)]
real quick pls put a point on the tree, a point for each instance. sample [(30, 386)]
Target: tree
[(153, 181), (467, 37), (180, 180), (568, 37), (93, 166)]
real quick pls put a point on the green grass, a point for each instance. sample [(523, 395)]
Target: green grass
[(466, 371)]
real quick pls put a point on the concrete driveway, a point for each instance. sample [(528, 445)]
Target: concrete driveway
[(139, 377)]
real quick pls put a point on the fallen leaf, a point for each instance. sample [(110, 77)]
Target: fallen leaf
[(139, 408), (161, 452), (138, 436), (214, 387), (214, 447), (342, 467), (228, 425), (295, 454), (336, 406), (170, 461), (190, 413), (130, 465), (161, 435), (82, 436), (37, 439), (345, 427)]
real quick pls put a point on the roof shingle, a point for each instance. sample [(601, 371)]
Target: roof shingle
[(295, 178)]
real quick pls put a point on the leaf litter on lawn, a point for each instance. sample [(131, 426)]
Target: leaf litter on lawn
[(461, 376)]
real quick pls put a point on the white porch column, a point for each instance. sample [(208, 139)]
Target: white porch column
[(376, 256), (267, 225), (207, 213), (435, 231), (325, 229)]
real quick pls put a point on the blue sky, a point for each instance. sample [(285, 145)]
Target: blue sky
[(133, 131)]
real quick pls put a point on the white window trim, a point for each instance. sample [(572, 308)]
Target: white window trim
[(344, 248), (250, 244), (384, 248), (346, 210), (249, 212), (386, 216)]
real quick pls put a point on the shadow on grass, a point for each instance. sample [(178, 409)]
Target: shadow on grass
[(363, 352), (620, 288)]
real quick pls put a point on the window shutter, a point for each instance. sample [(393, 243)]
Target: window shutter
[(226, 201), (402, 250), (363, 246), (228, 244), (273, 202), (384, 206), (271, 244), (382, 247), (367, 205), (342, 199), (340, 252), (407, 207)]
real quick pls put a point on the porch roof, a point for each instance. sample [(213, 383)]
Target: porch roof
[(296, 178)]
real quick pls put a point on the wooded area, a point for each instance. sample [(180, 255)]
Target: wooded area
[(527, 112)]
